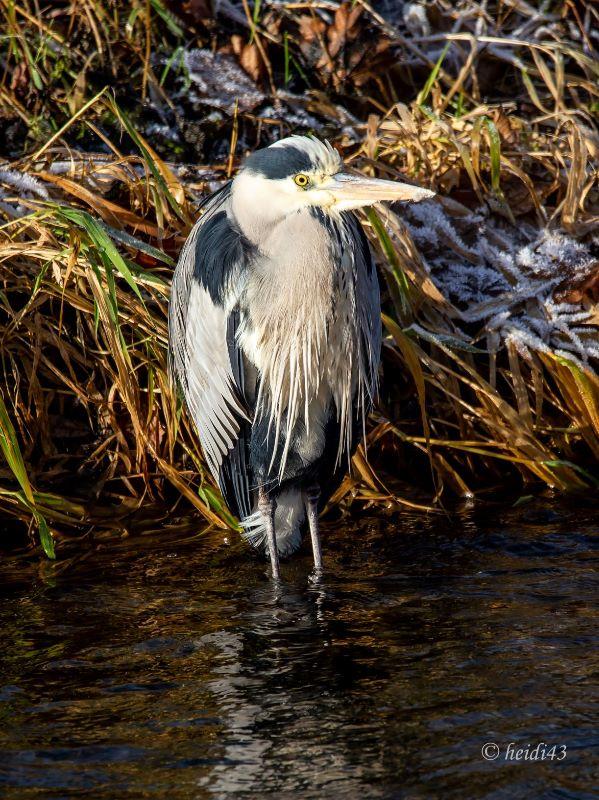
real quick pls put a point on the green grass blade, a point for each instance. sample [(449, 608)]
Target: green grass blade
[(46, 539), (286, 55), (12, 452), (133, 241), (14, 458), (100, 238), (158, 177), (495, 149), (176, 56), (432, 77), (389, 251), (453, 342), (255, 20), (168, 18)]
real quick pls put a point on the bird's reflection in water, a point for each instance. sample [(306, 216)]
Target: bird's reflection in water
[(260, 671)]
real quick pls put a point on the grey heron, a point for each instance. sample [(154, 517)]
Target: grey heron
[(275, 334)]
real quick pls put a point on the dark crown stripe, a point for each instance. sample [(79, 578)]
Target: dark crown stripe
[(279, 162)]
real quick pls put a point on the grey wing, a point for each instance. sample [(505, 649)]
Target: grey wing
[(368, 308), (204, 355)]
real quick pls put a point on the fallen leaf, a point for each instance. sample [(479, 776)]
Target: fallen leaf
[(251, 61), (344, 27), (310, 28)]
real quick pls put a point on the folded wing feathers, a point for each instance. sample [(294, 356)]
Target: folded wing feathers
[(200, 356)]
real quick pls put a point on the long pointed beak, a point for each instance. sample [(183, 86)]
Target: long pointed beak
[(355, 191)]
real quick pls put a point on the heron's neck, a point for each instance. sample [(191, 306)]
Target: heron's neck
[(254, 211)]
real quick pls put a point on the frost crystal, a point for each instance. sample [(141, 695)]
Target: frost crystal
[(509, 281), (22, 187), (415, 18), (221, 81)]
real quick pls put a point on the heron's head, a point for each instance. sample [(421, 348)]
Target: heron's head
[(301, 172)]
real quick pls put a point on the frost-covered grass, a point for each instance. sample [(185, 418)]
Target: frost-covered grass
[(511, 288), (491, 290)]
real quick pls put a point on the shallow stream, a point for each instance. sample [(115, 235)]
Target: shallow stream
[(178, 672)]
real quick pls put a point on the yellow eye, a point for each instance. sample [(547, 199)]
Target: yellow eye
[(301, 180)]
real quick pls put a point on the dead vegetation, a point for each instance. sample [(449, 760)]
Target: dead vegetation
[(118, 118)]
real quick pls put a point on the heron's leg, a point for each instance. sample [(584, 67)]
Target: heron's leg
[(312, 498), (266, 506)]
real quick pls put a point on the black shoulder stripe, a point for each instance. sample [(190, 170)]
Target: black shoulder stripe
[(221, 250)]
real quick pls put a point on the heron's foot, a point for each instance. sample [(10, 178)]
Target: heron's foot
[(315, 577), (312, 496), (266, 507)]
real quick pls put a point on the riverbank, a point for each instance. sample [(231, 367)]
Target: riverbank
[(116, 122)]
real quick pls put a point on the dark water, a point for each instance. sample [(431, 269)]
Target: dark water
[(178, 673)]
